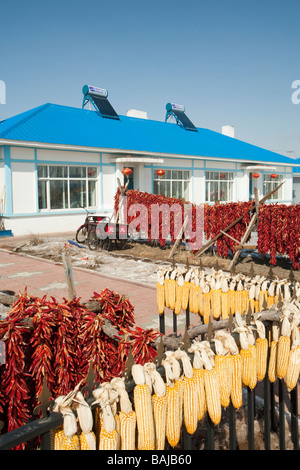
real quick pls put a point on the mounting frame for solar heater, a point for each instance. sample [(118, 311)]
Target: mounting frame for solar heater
[(178, 112), (98, 98)]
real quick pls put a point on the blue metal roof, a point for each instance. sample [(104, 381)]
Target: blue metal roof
[(56, 124)]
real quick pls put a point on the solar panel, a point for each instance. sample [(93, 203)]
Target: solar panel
[(178, 112), (104, 107), (98, 97)]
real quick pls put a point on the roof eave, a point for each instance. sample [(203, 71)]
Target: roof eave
[(53, 146)]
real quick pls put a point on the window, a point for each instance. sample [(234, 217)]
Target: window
[(219, 186), (175, 183), (66, 187), (271, 183)]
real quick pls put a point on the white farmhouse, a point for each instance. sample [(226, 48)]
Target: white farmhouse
[(55, 160)]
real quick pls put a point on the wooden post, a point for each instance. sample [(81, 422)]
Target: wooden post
[(122, 195), (69, 274), (179, 236), (245, 236)]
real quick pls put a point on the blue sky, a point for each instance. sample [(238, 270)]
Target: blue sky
[(229, 62)]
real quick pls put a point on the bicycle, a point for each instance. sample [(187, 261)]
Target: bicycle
[(89, 224)]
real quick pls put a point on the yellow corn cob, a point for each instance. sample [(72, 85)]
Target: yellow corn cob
[(56, 436), (211, 383), (190, 404), (173, 427), (143, 410), (191, 295), (109, 437), (160, 297), (126, 418), (199, 376), (68, 438), (194, 301), (127, 430), (236, 393), (216, 303), (145, 423), (172, 293), (108, 440), (87, 441), (179, 294), (173, 393), (159, 403), (272, 367), (261, 346), (247, 352), (272, 375), (245, 300), (283, 349), (160, 420), (293, 369), (70, 443), (253, 378), (212, 393), (207, 306), (87, 438), (246, 365), (239, 298), (234, 366), (261, 357), (232, 301), (167, 296), (185, 295), (270, 301), (190, 395), (249, 377), (180, 389), (225, 305), (221, 367), (200, 302)]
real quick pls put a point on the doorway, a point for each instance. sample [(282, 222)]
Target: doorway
[(131, 179)]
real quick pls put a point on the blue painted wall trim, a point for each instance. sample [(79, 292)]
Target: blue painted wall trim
[(8, 181)]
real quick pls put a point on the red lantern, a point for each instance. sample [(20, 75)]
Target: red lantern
[(127, 171), (160, 173), (255, 175), (222, 175), (274, 176)]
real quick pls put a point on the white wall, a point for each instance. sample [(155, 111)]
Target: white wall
[(22, 153), (109, 187), (199, 186), (42, 224), (23, 187), (67, 156), (2, 187), (296, 190)]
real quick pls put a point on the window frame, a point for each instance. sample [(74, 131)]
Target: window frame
[(172, 179), (273, 183), (68, 179), (209, 180)]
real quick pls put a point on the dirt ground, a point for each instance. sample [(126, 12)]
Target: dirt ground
[(51, 245)]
